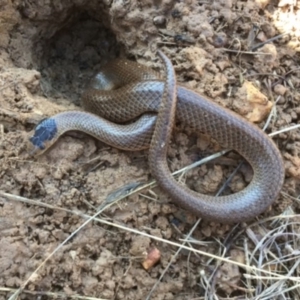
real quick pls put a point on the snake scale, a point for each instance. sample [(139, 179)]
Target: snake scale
[(125, 90)]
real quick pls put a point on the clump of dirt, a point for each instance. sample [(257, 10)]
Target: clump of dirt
[(48, 52)]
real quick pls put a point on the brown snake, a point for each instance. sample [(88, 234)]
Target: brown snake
[(125, 90)]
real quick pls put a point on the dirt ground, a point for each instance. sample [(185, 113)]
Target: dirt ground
[(48, 52)]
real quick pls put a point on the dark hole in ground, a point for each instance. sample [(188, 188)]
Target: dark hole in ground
[(73, 55)]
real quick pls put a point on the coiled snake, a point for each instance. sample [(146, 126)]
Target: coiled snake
[(125, 90)]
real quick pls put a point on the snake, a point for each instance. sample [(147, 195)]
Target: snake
[(131, 107)]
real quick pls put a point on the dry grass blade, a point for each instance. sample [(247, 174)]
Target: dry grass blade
[(50, 294), (285, 130)]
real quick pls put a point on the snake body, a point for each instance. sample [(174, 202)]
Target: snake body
[(125, 90)]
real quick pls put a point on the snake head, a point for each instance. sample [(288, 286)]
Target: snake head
[(44, 134)]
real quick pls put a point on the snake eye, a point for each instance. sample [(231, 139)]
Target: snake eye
[(44, 131)]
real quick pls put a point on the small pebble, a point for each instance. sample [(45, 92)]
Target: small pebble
[(159, 20), (219, 40), (279, 89), (176, 13)]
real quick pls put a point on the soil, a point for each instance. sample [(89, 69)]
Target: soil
[(49, 50)]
